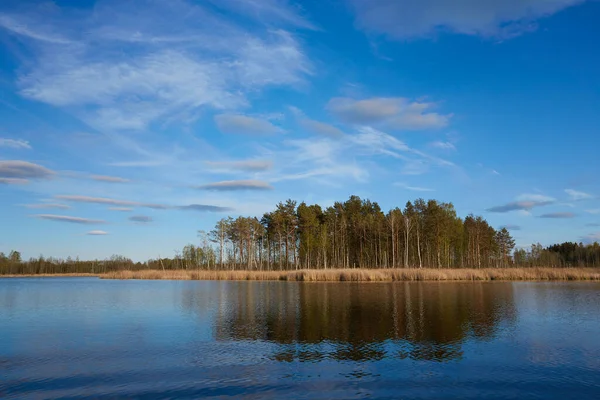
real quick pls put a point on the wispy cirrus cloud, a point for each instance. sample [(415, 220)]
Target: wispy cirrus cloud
[(576, 195), (122, 209), (243, 124), (235, 185), (267, 11), (97, 233), (15, 143), (443, 145), (170, 72), (69, 219), (403, 19), (413, 188), (390, 112), (593, 211)]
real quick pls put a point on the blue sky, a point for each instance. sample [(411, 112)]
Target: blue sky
[(127, 126)]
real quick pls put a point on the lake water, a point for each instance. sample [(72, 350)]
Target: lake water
[(86, 337)]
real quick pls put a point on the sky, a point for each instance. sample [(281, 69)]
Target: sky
[(128, 126)]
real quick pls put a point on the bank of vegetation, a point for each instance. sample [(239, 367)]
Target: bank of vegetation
[(347, 236)]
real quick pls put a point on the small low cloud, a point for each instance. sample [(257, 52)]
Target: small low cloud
[(414, 188), (122, 209), (140, 219), (250, 184), (405, 19), (47, 206), (111, 179), (204, 208), (593, 211), (237, 123), (443, 145), (391, 112), (242, 165), (108, 201), (576, 195), (511, 227), (13, 181), (15, 143), (20, 172), (591, 238), (525, 202), (321, 128), (558, 215), (97, 233), (66, 218)]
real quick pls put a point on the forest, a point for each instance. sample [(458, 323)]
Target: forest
[(351, 234)]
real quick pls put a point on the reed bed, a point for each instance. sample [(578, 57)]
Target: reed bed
[(372, 275)]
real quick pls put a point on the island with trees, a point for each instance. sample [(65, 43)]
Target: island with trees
[(351, 239)]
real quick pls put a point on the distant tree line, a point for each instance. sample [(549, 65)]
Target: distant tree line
[(351, 234)]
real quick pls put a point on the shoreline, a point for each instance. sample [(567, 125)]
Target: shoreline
[(351, 275)]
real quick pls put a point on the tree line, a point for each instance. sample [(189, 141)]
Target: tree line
[(351, 234)]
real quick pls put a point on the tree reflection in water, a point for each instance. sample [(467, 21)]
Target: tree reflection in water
[(313, 322)]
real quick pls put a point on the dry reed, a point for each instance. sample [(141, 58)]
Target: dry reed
[(372, 275)]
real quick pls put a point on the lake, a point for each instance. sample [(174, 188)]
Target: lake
[(86, 337)]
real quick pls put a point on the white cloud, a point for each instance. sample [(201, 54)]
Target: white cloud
[(523, 204), (539, 198), (558, 215), (591, 238), (97, 233), (15, 143), (391, 112), (443, 145), (577, 195), (13, 181), (267, 11), (48, 205), (108, 201), (414, 188), (112, 179), (243, 165), (66, 218), (236, 123), (19, 172), (321, 128), (168, 72), (250, 184), (401, 19), (140, 219), (593, 211), (122, 209)]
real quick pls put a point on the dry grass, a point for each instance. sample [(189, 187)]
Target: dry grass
[(373, 275)]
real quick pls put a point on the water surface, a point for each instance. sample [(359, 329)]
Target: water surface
[(85, 337)]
